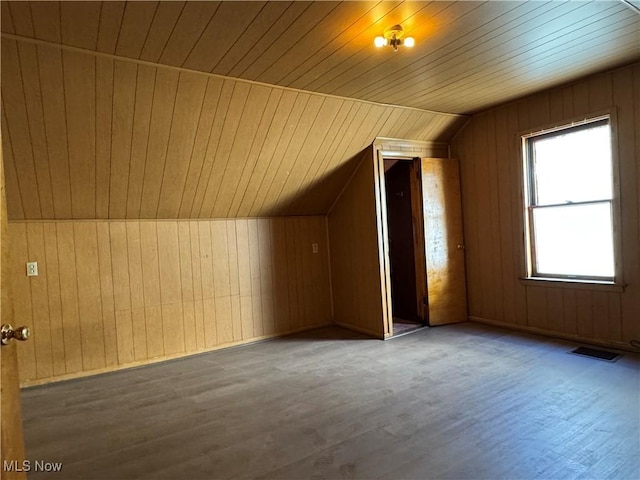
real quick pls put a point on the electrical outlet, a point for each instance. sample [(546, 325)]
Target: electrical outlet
[(32, 269), (314, 248)]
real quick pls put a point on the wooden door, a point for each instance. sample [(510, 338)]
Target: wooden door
[(444, 246), (11, 437)]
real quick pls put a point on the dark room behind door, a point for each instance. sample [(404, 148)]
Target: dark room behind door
[(401, 244)]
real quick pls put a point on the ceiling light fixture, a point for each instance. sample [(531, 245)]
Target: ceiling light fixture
[(393, 36)]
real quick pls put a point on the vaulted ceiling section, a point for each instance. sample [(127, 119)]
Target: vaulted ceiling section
[(95, 137), (468, 54), (245, 109)]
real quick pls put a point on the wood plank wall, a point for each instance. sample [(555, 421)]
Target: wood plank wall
[(89, 135), (468, 54), (356, 282), (112, 294), (388, 147), (489, 152), (360, 281)]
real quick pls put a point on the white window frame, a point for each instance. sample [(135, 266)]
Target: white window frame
[(531, 276)]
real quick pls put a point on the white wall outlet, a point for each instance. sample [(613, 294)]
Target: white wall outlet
[(314, 248), (32, 269)]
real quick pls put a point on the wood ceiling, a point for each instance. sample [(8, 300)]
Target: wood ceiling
[(88, 136), (469, 55), (251, 109)]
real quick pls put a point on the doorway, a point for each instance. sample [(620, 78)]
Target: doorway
[(401, 198)]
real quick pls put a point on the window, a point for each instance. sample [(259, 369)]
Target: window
[(569, 202)]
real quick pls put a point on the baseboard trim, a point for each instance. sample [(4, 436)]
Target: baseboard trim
[(554, 334), (365, 331), (167, 358)]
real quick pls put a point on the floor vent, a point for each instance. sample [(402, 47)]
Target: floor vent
[(597, 354)]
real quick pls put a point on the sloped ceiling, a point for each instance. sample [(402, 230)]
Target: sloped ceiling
[(239, 109), (88, 136), (469, 54)]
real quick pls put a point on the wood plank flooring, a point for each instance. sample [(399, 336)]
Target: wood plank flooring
[(461, 401)]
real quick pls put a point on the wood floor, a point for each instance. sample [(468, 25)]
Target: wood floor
[(463, 401)]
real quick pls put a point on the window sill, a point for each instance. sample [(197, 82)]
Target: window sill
[(573, 284)]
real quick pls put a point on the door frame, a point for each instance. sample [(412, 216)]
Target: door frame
[(416, 151), (417, 226), (12, 446), (418, 235)]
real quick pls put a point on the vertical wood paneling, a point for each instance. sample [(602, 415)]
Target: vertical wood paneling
[(164, 20), (89, 296), (196, 268), (164, 102), (234, 281), (54, 299), (228, 137), (136, 21), (107, 293), (206, 264), (266, 275), (170, 287), (20, 14), (110, 26), (280, 274), (353, 236), (306, 305), (256, 290), (200, 146), (202, 57), (150, 281), (55, 120), (187, 287), (503, 182), (18, 132), (12, 188), (124, 98), (249, 45), (122, 300), (188, 107), (469, 55), (113, 293), (598, 315), (43, 26), (37, 136), (145, 85), (104, 122), (7, 21), (221, 281), (627, 100), (39, 303), (81, 119), (192, 21), (95, 137), (244, 277), (291, 249), (80, 24), (257, 99), (136, 290), (69, 295), (285, 166), (303, 309)]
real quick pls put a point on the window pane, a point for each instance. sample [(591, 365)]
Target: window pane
[(574, 240), (574, 167)]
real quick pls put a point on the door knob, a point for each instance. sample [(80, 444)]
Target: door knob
[(7, 333)]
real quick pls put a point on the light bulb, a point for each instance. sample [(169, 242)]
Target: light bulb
[(379, 42), (409, 42)]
